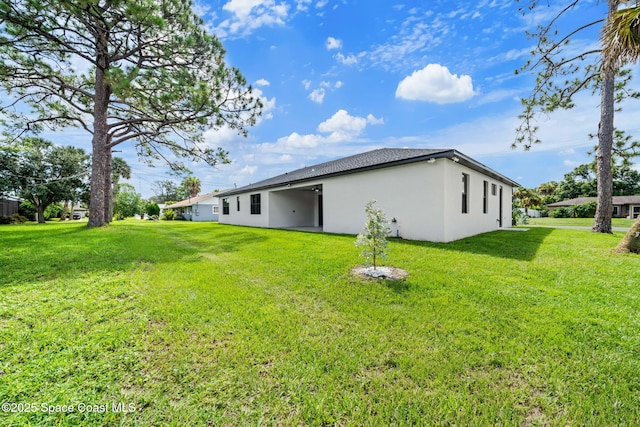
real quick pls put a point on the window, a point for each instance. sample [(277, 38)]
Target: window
[(485, 197), (214, 209), (255, 204), (238, 203), (616, 211), (225, 206), (465, 193), (493, 189)]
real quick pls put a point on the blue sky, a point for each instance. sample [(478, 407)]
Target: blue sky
[(340, 77)]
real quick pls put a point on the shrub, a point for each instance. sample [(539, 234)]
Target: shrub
[(18, 219), (13, 219), (584, 210), (560, 213), (27, 209), (169, 215), (153, 209), (518, 217)]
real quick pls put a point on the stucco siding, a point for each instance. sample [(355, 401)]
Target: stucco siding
[(244, 215), (458, 225), (412, 194), (424, 197)]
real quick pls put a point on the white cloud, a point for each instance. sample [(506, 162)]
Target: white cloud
[(346, 60), (306, 84), (262, 82), (434, 83), (333, 43), (249, 170), (249, 15), (338, 129), (372, 120), (343, 124), (268, 105), (498, 95), (338, 84), (317, 96)]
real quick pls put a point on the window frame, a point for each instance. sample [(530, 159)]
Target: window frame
[(485, 198), (256, 202), (465, 193), (225, 206)]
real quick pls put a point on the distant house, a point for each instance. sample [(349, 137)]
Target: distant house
[(623, 206), (9, 205), (427, 194), (198, 208), (78, 212)]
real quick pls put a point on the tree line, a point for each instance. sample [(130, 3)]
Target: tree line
[(52, 179)]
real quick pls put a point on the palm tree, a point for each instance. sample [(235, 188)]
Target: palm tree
[(621, 34), (527, 197), (620, 46), (191, 186)]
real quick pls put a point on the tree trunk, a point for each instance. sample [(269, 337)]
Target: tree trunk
[(631, 241), (65, 211), (604, 211), (101, 153), (40, 212), (98, 199), (108, 191)]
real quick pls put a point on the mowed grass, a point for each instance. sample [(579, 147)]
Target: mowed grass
[(187, 324)]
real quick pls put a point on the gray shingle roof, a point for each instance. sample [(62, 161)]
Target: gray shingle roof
[(191, 201), (380, 158)]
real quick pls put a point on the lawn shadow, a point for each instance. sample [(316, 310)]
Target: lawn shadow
[(510, 244), (57, 251)]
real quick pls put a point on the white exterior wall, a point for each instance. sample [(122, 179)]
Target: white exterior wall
[(424, 198), (458, 225), (413, 194), (244, 216)]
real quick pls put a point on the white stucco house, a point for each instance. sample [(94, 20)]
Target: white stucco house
[(438, 195), (199, 208)]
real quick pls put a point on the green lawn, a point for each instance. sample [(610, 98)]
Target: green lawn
[(188, 324), (578, 222)]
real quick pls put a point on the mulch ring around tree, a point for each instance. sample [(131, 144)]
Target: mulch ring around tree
[(380, 272)]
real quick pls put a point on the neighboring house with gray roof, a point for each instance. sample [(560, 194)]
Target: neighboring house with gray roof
[(436, 195), (199, 208), (623, 206)]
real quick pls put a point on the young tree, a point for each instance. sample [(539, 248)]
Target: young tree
[(43, 173), (128, 202), (123, 70), (374, 239), (560, 78), (191, 185), (153, 210), (119, 169)]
